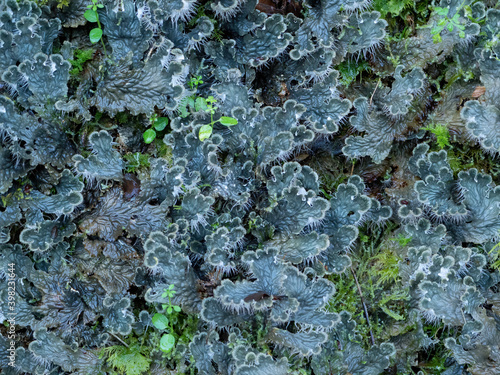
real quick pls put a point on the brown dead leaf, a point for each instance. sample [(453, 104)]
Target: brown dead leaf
[(478, 91)]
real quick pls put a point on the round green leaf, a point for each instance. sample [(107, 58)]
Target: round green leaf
[(161, 123), (228, 121), (160, 321), (167, 342), (90, 15), (205, 132), (95, 35), (149, 136), (169, 310), (177, 308)]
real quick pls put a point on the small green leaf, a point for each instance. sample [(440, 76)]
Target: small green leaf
[(461, 34), (169, 310), (167, 342), (160, 321), (442, 22), (95, 35), (100, 6), (90, 15), (391, 313), (436, 30), (437, 39), (160, 123), (468, 11), (149, 136), (177, 308), (183, 109), (211, 100), (205, 132), (450, 27), (200, 104), (228, 121), (441, 11)]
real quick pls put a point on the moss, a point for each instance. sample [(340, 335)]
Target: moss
[(349, 70), (60, 3), (463, 157), (136, 161), (376, 268), (81, 56), (395, 7), (435, 360), (217, 33), (131, 360), (441, 134), (164, 151), (122, 117)]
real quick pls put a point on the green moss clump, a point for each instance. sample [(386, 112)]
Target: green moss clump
[(81, 57), (136, 161)]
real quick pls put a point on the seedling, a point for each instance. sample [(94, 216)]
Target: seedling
[(189, 102), (207, 105), (91, 15), (162, 321), (194, 82), (201, 104), (158, 124), (448, 23)]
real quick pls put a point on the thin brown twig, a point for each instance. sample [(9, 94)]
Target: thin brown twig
[(364, 305), (119, 339), (373, 93)]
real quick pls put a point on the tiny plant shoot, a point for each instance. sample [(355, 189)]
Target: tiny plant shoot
[(208, 106), (91, 15), (448, 23), (163, 323), (158, 124), (197, 103)]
